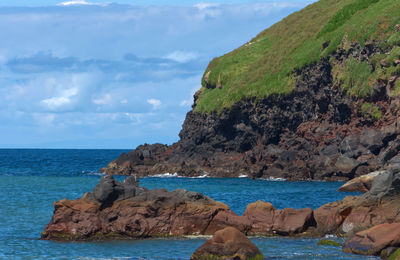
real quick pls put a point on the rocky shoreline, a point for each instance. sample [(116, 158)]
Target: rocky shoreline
[(126, 211), (317, 132)]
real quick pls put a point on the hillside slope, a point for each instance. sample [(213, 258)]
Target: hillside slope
[(316, 96), (266, 64)]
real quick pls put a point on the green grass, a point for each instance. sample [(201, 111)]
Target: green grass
[(371, 111), (344, 15), (265, 65), (354, 78)]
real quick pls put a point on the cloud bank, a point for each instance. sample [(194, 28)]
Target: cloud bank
[(87, 75)]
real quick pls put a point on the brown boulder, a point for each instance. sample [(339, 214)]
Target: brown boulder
[(362, 183), (266, 220), (293, 221), (373, 240), (330, 216), (227, 219), (261, 216), (228, 243)]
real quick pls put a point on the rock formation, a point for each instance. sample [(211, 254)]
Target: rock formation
[(228, 243), (362, 183), (117, 210), (124, 210), (317, 131)]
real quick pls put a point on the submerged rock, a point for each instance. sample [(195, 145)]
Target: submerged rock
[(328, 242), (228, 243)]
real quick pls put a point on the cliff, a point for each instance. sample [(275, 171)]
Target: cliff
[(316, 96)]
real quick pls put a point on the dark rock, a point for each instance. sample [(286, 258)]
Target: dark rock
[(228, 243), (372, 140), (346, 165), (317, 131), (107, 191)]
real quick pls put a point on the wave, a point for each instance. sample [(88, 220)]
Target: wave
[(95, 173), (176, 175), (243, 176), (165, 175), (271, 178)]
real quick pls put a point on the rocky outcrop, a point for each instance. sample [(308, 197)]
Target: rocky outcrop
[(228, 243), (362, 183), (318, 131), (123, 210), (117, 210)]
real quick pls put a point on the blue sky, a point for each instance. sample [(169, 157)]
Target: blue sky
[(85, 74)]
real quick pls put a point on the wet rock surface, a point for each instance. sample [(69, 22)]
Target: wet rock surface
[(228, 243)]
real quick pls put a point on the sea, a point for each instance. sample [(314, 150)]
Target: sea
[(31, 180)]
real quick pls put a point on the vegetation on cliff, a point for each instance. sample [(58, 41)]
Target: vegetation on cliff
[(267, 63)]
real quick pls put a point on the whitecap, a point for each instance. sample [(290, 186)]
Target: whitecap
[(205, 175), (95, 173), (271, 178), (165, 175)]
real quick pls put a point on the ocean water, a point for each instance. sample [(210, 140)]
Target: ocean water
[(31, 180)]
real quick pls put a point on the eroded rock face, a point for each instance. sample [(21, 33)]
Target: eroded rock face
[(316, 132), (228, 243)]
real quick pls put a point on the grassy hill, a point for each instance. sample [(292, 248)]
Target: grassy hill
[(265, 65)]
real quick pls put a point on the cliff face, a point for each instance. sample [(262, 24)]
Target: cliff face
[(339, 121)]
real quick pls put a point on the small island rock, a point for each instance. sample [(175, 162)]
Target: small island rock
[(228, 243)]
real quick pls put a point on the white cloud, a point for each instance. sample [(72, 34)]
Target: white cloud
[(124, 101), (63, 99), (202, 6), (105, 100), (77, 2), (182, 56), (156, 103)]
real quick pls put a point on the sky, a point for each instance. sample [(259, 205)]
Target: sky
[(114, 75)]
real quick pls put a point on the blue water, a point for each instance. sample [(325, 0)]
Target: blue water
[(32, 179)]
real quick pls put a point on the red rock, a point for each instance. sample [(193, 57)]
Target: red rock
[(293, 221), (330, 216), (228, 243), (225, 219), (261, 216), (373, 240)]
